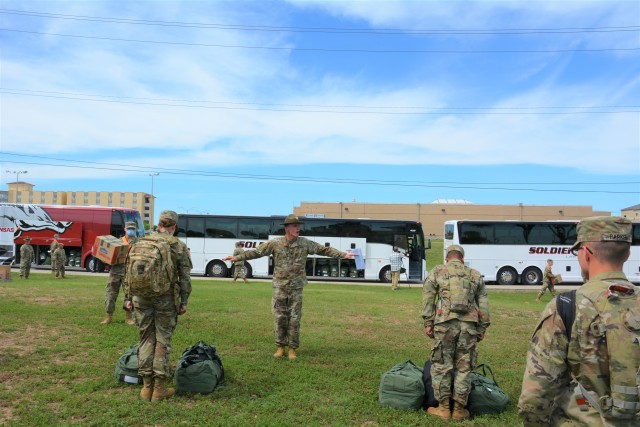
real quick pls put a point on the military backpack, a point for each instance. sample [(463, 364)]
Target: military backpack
[(618, 326), (127, 366), (150, 268), (461, 296), (199, 370)]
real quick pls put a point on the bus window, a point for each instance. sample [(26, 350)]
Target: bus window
[(400, 241), (195, 227), (254, 228), (448, 231), (222, 228), (117, 224)]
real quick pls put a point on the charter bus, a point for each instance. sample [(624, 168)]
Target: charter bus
[(77, 226), (507, 252), (210, 238)]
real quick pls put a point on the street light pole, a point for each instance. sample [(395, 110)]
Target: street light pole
[(17, 174), (152, 175)]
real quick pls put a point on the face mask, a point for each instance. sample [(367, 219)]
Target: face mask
[(131, 232)]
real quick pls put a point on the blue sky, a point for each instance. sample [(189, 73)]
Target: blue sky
[(251, 107)]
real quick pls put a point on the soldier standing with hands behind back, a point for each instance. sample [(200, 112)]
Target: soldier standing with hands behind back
[(456, 313), (289, 279), (26, 258)]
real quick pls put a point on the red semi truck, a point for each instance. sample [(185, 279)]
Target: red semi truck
[(77, 227)]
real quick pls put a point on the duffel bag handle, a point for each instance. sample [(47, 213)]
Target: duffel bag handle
[(486, 368)]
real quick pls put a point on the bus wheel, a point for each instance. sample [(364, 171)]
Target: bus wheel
[(507, 276), (217, 269), (531, 276), (385, 274)]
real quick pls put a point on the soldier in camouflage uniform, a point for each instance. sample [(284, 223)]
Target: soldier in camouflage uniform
[(567, 379), (289, 278), (59, 260), (26, 258), (116, 279), (238, 266), (52, 249), (455, 310), (548, 280), (157, 318)]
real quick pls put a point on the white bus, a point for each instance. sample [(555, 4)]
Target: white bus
[(507, 252), (212, 237)]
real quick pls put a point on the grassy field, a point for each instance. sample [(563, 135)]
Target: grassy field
[(57, 361)]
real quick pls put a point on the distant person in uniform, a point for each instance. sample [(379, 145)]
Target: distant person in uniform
[(455, 310), (116, 279), (548, 280), (588, 374), (52, 248), (59, 260), (395, 262), (26, 258), (238, 266), (289, 279)]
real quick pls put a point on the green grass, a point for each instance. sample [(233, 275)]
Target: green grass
[(57, 361)]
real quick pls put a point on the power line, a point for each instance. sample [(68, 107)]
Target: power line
[(379, 31), (77, 95), (629, 109), (303, 49), (445, 184)]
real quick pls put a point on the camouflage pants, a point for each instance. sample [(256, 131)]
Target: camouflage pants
[(59, 270), (453, 357), (286, 306), (25, 269), (114, 283), (156, 319), (238, 270), (546, 286)]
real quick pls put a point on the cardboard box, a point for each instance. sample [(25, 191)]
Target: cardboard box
[(5, 273), (110, 250)]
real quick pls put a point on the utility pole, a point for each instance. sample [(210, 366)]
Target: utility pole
[(17, 174)]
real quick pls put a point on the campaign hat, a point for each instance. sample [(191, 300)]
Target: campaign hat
[(292, 219), (27, 239), (130, 224), (603, 229)]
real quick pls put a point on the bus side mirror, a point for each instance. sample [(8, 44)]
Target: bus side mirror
[(429, 244)]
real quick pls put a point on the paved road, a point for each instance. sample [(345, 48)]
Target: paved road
[(513, 288)]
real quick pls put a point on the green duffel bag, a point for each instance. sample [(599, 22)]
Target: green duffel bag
[(127, 366), (485, 396), (402, 387), (199, 370)]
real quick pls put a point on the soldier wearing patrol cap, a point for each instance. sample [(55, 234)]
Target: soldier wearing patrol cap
[(588, 374), (455, 311), (116, 279), (289, 278), (26, 258), (157, 317)]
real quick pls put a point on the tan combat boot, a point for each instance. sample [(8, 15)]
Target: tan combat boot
[(459, 412), (128, 318), (160, 390), (292, 353), (107, 319), (537, 299), (442, 411), (279, 352), (147, 388)]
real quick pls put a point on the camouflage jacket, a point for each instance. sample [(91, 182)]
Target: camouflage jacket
[(436, 291), (548, 277), (548, 391), (290, 258), (236, 252), (26, 254)]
